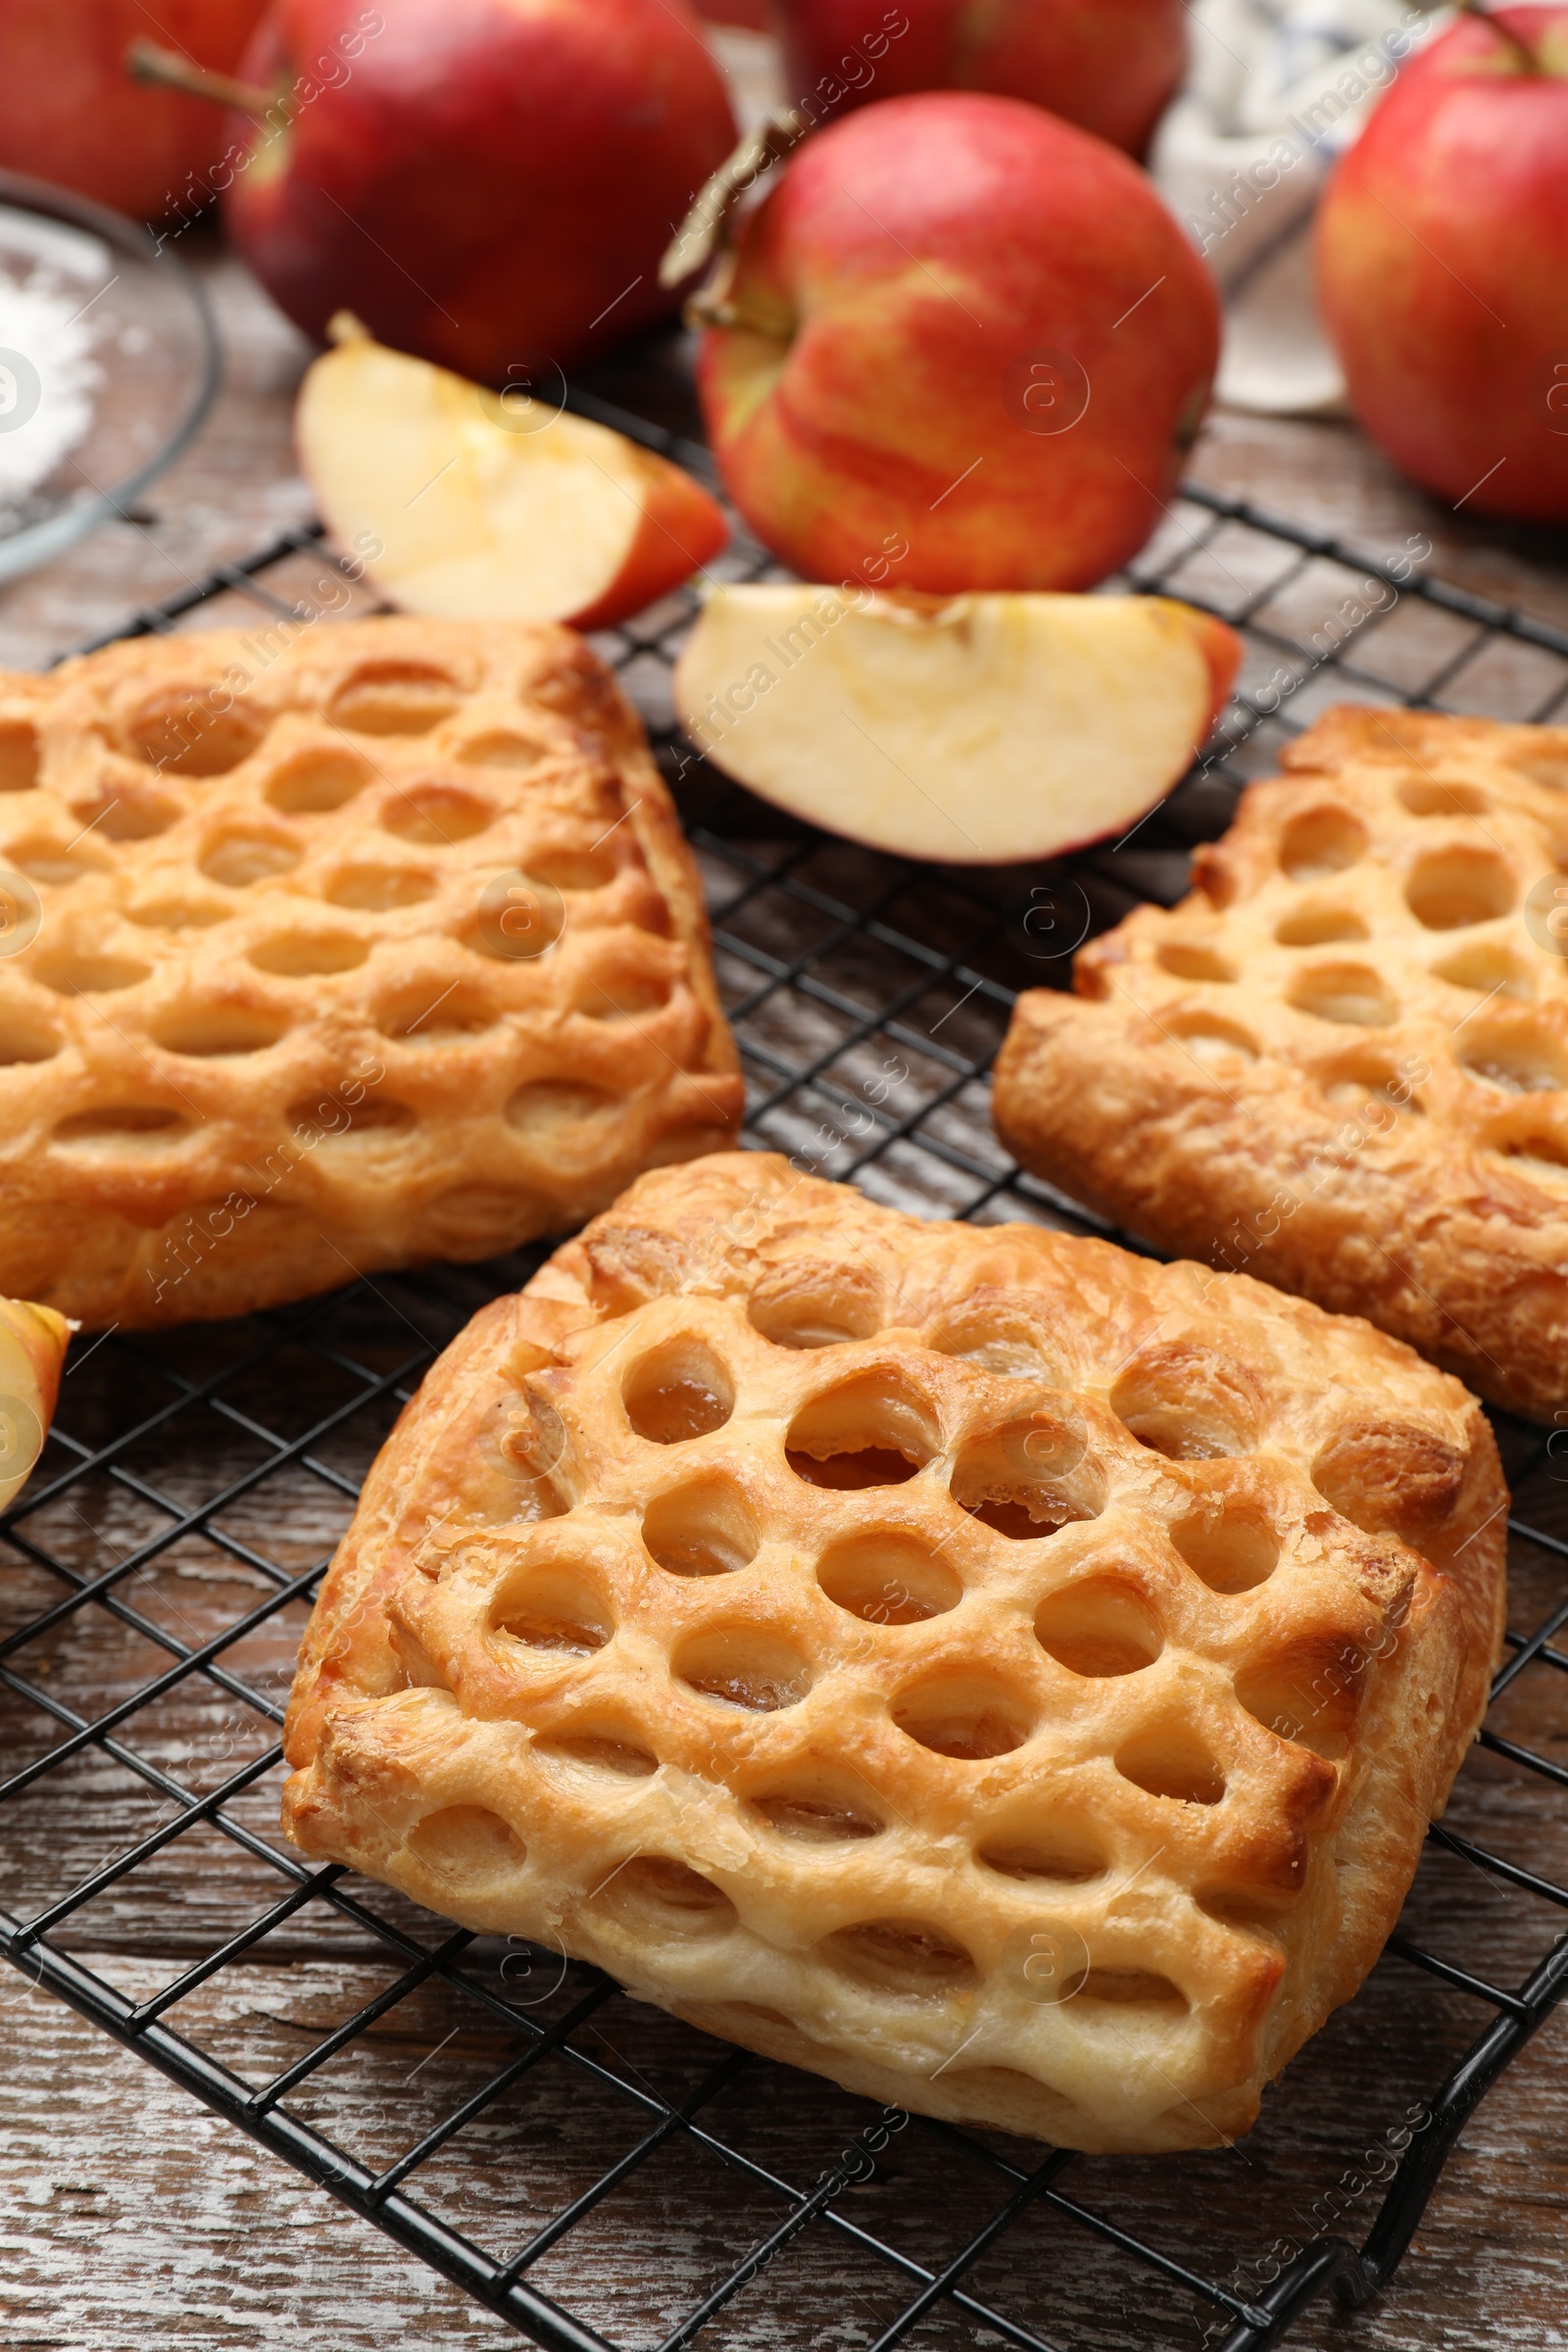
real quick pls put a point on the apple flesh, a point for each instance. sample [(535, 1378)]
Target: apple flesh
[(491, 183), (1442, 267), (68, 112), (977, 730), (1113, 66), (491, 506), (32, 1347), (959, 323)]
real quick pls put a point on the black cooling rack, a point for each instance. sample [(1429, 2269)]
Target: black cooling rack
[(589, 2171)]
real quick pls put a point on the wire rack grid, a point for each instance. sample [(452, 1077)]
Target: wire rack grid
[(594, 2174)]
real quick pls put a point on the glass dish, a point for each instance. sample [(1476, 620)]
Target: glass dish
[(108, 360)]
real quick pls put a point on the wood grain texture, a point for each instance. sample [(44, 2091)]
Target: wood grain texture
[(128, 2217)]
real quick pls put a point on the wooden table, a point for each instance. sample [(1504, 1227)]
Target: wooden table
[(131, 2218)]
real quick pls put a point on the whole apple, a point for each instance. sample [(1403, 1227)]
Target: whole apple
[(1442, 267), (70, 114), (490, 185), (1110, 66), (961, 342)]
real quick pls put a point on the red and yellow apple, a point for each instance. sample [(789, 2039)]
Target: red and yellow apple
[(32, 1347), (1442, 267), (69, 112), (961, 321), (490, 185), (487, 507), (973, 729), (1110, 66)]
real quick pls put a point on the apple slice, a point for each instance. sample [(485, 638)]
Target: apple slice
[(487, 505), (977, 730), (32, 1347)]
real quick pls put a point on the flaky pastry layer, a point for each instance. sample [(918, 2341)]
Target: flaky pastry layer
[(1343, 1063), (1000, 1674), (332, 950)]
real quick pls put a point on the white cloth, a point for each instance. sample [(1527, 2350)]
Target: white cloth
[(1276, 90)]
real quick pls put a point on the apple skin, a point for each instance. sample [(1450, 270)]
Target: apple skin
[(1113, 66), (492, 184), (71, 113), (683, 529), (1442, 269), (887, 358)]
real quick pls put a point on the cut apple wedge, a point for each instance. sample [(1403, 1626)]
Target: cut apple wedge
[(977, 730), (32, 1347), (472, 505)]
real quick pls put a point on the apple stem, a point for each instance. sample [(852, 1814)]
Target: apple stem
[(166, 69), (702, 232), (1523, 55), (711, 304)]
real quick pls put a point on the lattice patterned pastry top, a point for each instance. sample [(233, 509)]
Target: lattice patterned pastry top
[(1342, 1064), (1004, 1675), (362, 944)]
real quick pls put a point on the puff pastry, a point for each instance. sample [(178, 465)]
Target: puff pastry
[(1343, 1063), (331, 951), (1004, 1675)]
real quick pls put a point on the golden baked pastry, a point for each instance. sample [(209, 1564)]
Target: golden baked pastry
[(1343, 1063), (330, 951), (1004, 1675)]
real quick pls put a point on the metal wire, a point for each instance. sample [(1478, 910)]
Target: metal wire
[(840, 969)]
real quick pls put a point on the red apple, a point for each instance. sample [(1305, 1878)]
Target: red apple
[(959, 339), (1442, 267), (482, 508), (975, 729), (1110, 66), (490, 185), (68, 112)]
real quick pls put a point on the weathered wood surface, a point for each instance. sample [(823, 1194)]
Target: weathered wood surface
[(129, 2217)]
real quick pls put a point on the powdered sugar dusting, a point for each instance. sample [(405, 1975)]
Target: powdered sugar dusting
[(49, 379), (51, 401)]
